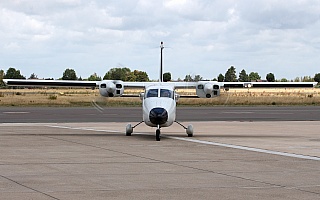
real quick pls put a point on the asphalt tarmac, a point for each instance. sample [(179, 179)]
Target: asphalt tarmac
[(134, 114), (236, 153)]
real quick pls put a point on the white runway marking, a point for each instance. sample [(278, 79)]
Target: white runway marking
[(240, 112), (82, 128), (15, 112), (247, 148), (205, 142)]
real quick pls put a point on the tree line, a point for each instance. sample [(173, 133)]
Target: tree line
[(125, 74), (231, 76)]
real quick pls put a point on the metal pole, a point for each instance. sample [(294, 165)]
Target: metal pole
[(161, 72)]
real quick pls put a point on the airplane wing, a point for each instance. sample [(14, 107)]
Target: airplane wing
[(210, 89), (245, 84), (107, 88), (51, 83), (72, 83), (113, 88), (268, 84)]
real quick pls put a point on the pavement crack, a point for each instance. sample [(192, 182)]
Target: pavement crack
[(30, 188)]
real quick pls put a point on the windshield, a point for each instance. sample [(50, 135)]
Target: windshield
[(163, 93), (166, 93), (152, 93)]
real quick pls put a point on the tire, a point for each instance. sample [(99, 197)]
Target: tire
[(158, 135), (190, 131), (129, 130)]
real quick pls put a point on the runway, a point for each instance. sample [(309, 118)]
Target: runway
[(59, 155)]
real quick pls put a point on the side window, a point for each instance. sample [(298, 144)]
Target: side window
[(152, 93)]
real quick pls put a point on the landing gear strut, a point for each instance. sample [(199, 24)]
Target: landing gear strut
[(189, 129)]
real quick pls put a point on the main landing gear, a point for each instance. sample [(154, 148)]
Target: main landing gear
[(129, 128), (189, 130)]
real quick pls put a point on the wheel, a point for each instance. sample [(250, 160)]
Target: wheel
[(158, 135), (189, 131), (129, 130)]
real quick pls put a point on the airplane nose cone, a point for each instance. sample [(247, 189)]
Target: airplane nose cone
[(158, 116)]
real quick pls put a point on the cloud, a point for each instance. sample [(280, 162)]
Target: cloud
[(281, 15), (205, 37)]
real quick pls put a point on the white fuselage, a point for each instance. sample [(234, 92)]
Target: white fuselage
[(159, 108)]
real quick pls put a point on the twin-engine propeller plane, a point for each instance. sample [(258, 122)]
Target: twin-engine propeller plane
[(159, 99)]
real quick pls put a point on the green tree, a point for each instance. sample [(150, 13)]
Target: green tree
[(131, 77), (1, 74), (253, 76), (167, 77), (220, 78), (140, 76), (243, 76), (297, 79), (188, 78), (317, 77), (307, 79), (270, 77), (12, 73), (117, 74), (94, 77), (197, 78), (231, 75), (69, 74), (33, 76), (283, 80), (1, 78)]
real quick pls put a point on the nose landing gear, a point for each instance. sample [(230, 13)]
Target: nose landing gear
[(158, 134)]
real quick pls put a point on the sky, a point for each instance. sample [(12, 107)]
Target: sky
[(202, 37)]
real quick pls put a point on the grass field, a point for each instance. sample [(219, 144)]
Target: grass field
[(85, 97)]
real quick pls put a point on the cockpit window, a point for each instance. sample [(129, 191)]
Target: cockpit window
[(152, 93), (166, 93)]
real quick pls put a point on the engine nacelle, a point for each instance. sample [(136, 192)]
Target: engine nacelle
[(111, 88), (207, 89)]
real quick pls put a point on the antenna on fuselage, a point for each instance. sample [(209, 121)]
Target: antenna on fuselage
[(161, 70)]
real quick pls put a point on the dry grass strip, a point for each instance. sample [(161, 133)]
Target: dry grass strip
[(84, 97)]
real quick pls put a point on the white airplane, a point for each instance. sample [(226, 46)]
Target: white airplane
[(159, 99)]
